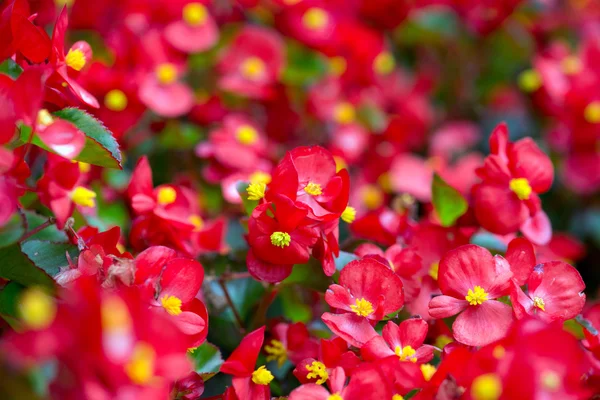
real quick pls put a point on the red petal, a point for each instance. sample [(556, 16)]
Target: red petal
[(350, 327), (528, 161), (63, 138), (498, 209), (264, 271), (537, 228), (446, 306), (182, 278), (150, 262), (242, 361), (521, 257), (483, 324)]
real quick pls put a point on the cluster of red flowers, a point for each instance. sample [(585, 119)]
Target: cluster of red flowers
[(328, 220)]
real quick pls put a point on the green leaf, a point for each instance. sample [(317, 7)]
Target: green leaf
[(448, 203), (294, 307), (51, 233), (9, 297), (100, 148), (16, 266), (49, 256), (10, 68), (207, 360), (12, 230), (303, 65)]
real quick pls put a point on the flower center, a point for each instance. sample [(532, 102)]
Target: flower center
[(571, 65), (530, 80), (349, 215), (166, 195), (363, 307), (344, 113), (428, 370), (550, 381), (197, 221), (246, 135), (539, 303), (260, 177), (166, 73), (83, 197), (115, 100), (36, 308), (317, 370), (434, 269), (115, 315), (256, 191), (276, 351), (75, 59), (253, 68), (592, 112), (384, 63), (397, 397), (280, 239), (262, 376), (335, 396), (405, 353), (44, 118), (476, 296), (140, 367), (171, 304), (371, 196), (521, 187), (486, 387), (84, 168), (195, 14), (313, 189), (315, 18)]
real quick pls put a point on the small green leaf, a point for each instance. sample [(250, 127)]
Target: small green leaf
[(49, 256), (294, 307), (15, 266), (12, 230), (303, 65), (207, 360), (10, 68), (448, 203), (9, 296), (100, 148)]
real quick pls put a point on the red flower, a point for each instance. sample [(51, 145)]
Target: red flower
[(195, 32), (368, 291), (332, 354), (471, 280), (248, 383), (290, 341), (512, 177), (20, 35), (404, 340), (279, 237)]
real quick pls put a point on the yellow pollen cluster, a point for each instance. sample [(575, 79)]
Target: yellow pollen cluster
[(539, 303), (171, 304), (140, 367), (75, 59), (335, 396), (384, 63), (397, 397), (406, 353), (84, 168), (262, 376), (276, 351), (166, 73), (194, 14), (166, 195), (428, 370), (371, 196), (349, 215), (280, 239), (486, 387), (115, 315), (313, 189), (246, 135), (197, 221), (530, 80), (115, 100), (36, 309), (256, 191), (317, 370), (253, 68), (44, 118), (434, 270), (550, 381), (315, 18), (363, 307), (571, 65), (521, 187), (476, 296), (499, 352), (83, 197), (260, 177), (592, 112), (344, 113)]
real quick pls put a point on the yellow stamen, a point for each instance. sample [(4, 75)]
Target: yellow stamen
[(140, 367), (197, 221), (260, 177), (253, 68), (280, 239), (550, 381), (84, 168), (83, 197), (115, 100), (317, 370), (521, 187), (344, 113), (486, 387), (363, 307), (166, 73), (397, 397), (276, 351), (313, 189), (315, 18), (571, 65), (256, 191), (36, 308), (349, 215), (530, 80), (592, 112), (499, 352), (406, 353), (171, 304), (340, 163), (476, 296), (337, 65), (384, 63), (428, 370), (75, 59), (372, 196), (539, 303), (115, 315), (44, 118), (246, 135), (434, 270), (195, 14), (166, 195), (335, 396), (262, 376)]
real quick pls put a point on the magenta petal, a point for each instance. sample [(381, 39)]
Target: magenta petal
[(521, 257), (189, 322), (537, 228), (310, 391), (339, 297), (63, 138), (446, 306), (191, 39), (483, 324), (166, 100), (375, 349), (352, 328), (412, 332)]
